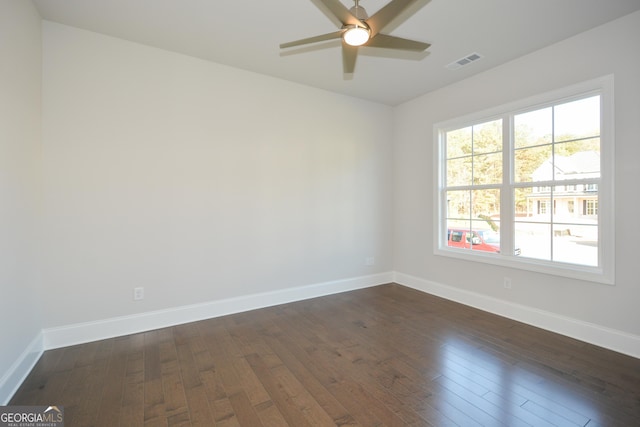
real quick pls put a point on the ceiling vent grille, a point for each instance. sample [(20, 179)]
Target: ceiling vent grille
[(464, 61)]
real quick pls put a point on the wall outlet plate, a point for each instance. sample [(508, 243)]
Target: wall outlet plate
[(138, 293)]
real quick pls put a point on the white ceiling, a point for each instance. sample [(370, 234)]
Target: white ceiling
[(247, 35)]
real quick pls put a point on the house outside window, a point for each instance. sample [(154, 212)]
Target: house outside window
[(518, 172)]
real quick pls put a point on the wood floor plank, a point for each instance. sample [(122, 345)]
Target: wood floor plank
[(154, 410), (112, 388), (200, 413), (293, 402), (244, 411), (380, 356), (270, 415), (512, 405), (180, 419), (224, 414), (132, 412), (96, 375), (174, 397), (480, 409), (359, 396), (312, 384)]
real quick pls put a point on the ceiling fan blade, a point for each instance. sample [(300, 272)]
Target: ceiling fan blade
[(340, 12), (349, 55), (392, 42), (387, 14), (315, 39)]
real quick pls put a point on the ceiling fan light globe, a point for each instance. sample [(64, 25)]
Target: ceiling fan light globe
[(356, 36)]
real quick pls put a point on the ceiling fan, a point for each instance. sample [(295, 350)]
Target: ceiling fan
[(358, 29)]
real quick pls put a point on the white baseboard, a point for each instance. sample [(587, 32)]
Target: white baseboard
[(17, 373), (108, 328), (612, 339)]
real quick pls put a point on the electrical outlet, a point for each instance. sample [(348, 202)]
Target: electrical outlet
[(507, 282), (138, 293), (369, 261)]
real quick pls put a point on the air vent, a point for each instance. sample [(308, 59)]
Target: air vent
[(464, 61)]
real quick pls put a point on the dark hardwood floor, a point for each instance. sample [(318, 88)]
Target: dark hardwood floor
[(383, 356)]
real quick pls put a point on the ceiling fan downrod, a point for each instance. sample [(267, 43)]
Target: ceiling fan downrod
[(358, 11)]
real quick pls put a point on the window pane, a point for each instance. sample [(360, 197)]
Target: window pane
[(575, 243), (459, 171), (486, 205), (533, 164), (464, 235), (521, 202), (470, 214), (457, 224), (487, 169), (576, 206), (577, 119), (583, 145), (489, 230), (566, 217), (533, 204), (533, 128), (459, 204), (577, 159), (458, 142), (533, 240), (576, 203), (487, 137), (490, 236), (457, 233)]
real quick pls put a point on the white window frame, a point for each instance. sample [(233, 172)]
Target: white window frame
[(605, 271)]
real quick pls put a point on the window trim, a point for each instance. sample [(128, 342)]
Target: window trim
[(605, 271)]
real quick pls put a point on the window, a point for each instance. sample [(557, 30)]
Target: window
[(542, 207), (590, 207), (519, 171)]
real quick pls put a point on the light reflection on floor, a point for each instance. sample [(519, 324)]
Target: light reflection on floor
[(510, 392)]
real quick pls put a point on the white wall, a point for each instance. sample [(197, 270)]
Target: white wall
[(198, 181), (20, 121), (611, 48)]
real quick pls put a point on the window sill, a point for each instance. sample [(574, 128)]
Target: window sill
[(554, 268)]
